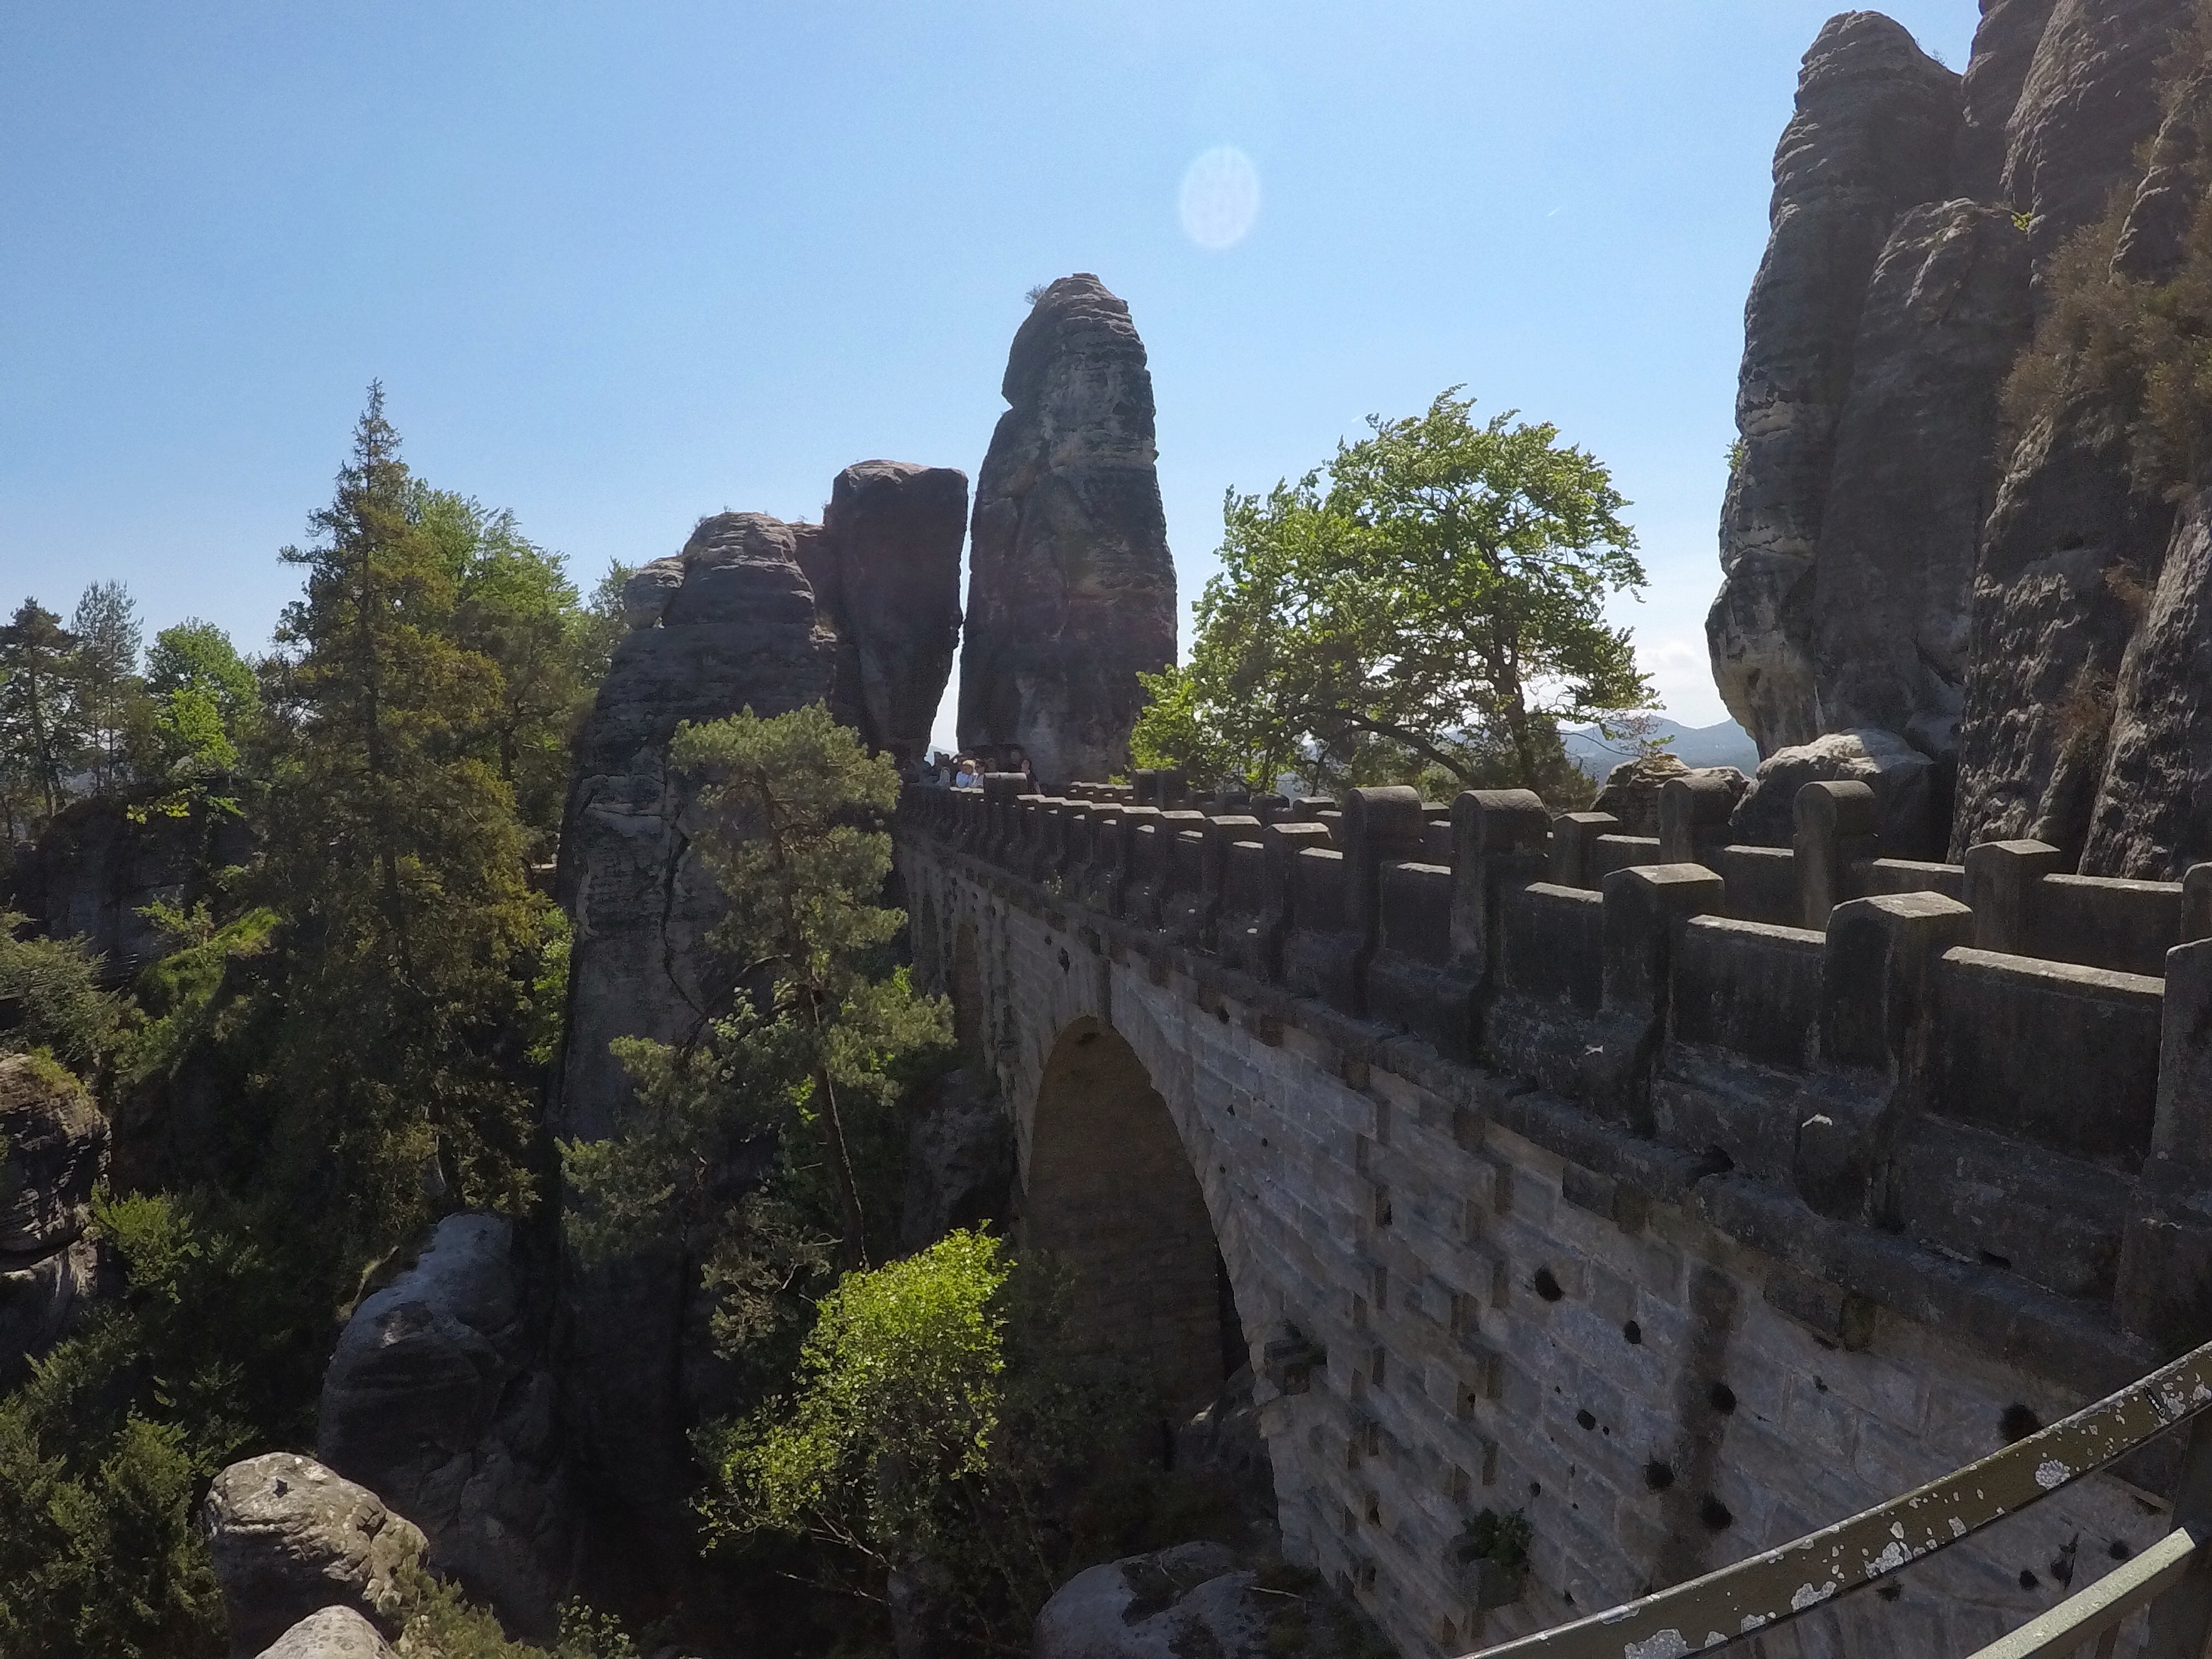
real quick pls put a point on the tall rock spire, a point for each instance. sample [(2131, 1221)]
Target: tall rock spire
[(1071, 588)]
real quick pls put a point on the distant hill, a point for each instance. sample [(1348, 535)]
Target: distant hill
[(1724, 744)]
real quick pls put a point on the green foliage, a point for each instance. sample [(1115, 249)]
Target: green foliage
[(205, 703), (603, 626), (104, 1450), (441, 1623), (103, 1557), (514, 605), (820, 1033), (55, 988), (1439, 604), (42, 729), (393, 852), (937, 1427), (1504, 1538), (104, 672)]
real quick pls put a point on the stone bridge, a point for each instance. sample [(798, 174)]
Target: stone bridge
[(1681, 1197)]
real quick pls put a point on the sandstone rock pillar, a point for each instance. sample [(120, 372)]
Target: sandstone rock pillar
[(1071, 587)]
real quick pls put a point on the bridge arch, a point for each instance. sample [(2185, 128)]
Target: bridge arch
[(1110, 1190)]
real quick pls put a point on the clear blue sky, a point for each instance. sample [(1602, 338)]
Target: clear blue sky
[(619, 264)]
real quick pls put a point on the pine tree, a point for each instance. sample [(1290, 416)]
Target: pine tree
[(394, 855), (106, 672), (42, 734)]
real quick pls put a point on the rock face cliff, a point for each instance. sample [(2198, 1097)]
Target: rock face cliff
[(1071, 587), (1897, 559), (861, 612), (53, 1150), (728, 624)]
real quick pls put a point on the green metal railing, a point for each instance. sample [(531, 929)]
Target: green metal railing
[(2173, 1575)]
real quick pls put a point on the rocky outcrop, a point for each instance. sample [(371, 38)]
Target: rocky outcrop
[(1197, 1599), (2054, 604), (432, 1400), (1872, 134), (1071, 587), (727, 624), (2151, 820), (94, 869), (1631, 791), (1946, 314), (53, 1148), (1904, 783), (886, 570), (1896, 559), (1191, 1598), (2089, 101), (2005, 43), (290, 1538), (333, 1633)]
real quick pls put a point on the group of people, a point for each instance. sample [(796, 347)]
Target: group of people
[(966, 771)]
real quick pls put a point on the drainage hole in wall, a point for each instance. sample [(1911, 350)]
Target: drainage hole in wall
[(1991, 1259), (1715, 1515), (1546, 1285), (2028, 1578), (1584, 1418), (1889, 1592), (2018, 1422), (2119, 1551), (1633, 1332), (1658, 1475), (1723, 1398), (1536, 1490)]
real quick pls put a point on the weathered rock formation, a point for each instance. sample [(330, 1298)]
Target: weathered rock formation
[(960, 1162), (53, 1147), (1895, 559), (290, 1538), (1903, 782), (1871, 136), (1196, 1599), (727, 624), (861, 612), (2151, 812), (885, 570), (432, 1400), (1071, 589), (94, 870), (333, 1633)]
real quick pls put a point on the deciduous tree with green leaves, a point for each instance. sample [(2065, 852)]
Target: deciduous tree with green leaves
[(1434, 600)]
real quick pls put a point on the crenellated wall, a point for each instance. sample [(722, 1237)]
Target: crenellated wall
[(1549, 1177)]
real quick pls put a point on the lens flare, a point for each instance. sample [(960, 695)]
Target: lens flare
[(1220, 199)]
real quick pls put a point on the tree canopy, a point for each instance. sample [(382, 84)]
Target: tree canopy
[(1431, 601)]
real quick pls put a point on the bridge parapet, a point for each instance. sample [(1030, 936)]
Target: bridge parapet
[(1684, 1229), (1907, 1045)]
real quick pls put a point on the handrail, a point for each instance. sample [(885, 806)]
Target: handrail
[(1808, 1572)]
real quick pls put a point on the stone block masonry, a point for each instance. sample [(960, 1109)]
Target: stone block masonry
[(1669, 1344)]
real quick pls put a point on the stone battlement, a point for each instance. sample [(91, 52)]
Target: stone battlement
[(2012, 1066)]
